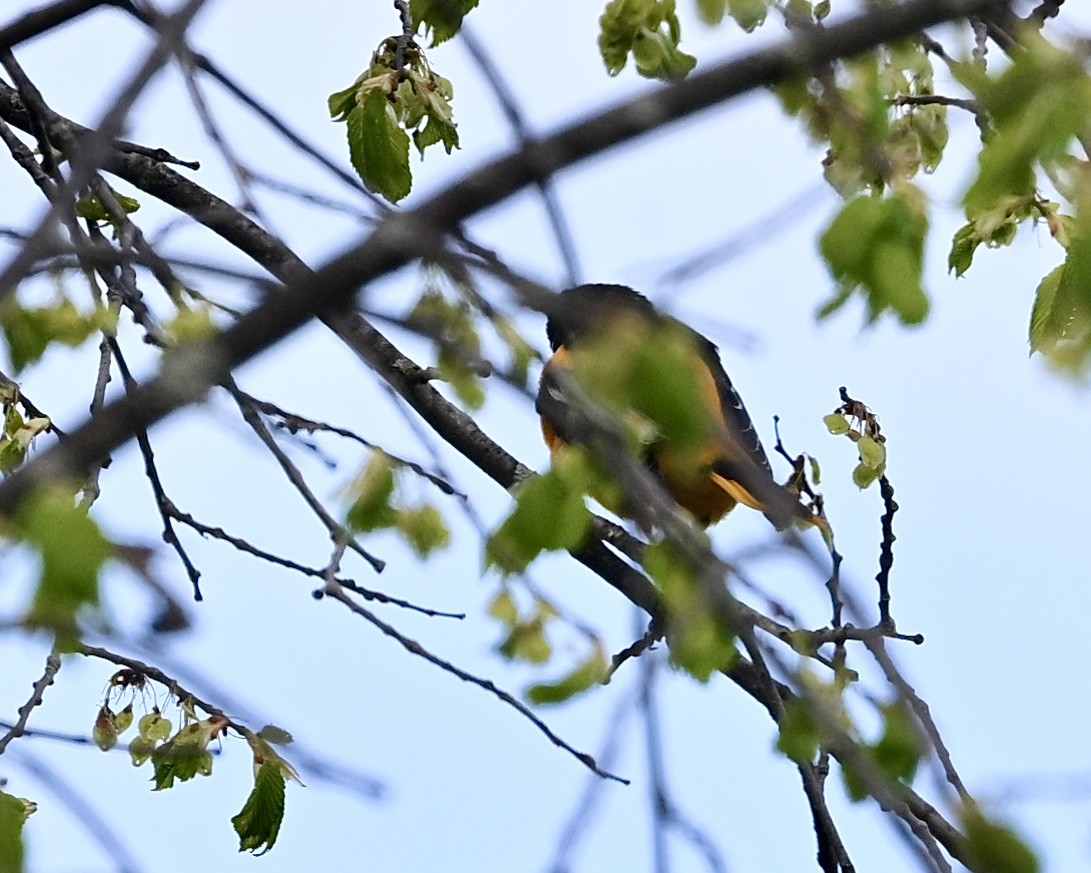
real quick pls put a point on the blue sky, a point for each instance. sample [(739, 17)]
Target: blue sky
[(986, 453)]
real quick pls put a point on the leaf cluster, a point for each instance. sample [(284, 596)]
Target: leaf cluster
[(377, 506), (649, 31), (397, 94)]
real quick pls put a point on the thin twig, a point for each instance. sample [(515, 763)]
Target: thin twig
[(163, 503), (52, 665), (244, 546), (337, 532), (156, 675), (581, 817), (886, 549), (509, 105), (413, 647), (85, 812), (665, 813)]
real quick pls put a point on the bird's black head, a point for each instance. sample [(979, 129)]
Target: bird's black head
[(580, 311)]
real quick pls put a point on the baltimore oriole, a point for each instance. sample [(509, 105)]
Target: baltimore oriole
[(708, 477)]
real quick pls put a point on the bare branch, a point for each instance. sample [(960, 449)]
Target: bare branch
[(412, 646), (45, 18), (52, 665)]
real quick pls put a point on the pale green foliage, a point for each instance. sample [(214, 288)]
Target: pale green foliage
[(450, 323), (872, 140), (29, 331), (876, 245), (186, 754), (525, 630), (383, 105), (859, 424), (18, 433), (258, 822), (1037, 107), (14, 812), (72, 551), (894, 756), (699, 640), (748, 14), (995, 848), (191, 323), (587, 674), (798, 737), (549, 514), (178, 756), (377, 505), (91, 208), (649, 31), (526, 639), (440, 18), (648, 375)]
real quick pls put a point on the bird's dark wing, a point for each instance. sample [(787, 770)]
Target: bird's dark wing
[(740, 427)]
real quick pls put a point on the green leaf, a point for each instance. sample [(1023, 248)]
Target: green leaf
[(1060, 321), (17, 437), (441, 18), (423, 528), (647, 29), (527, 642), (1046, 322), (963, 245), (711, 11), (140, 750), (72, 550), (798, 738), (863, 475), (271, 733), (258, 822), (930, 125), (29, 332), (191, 325), (748, 14), (503, 608), (124, 719), (180, 763), (14, 812), (872, 453), (466, 384), (877, 244), (895, 756), (92, 208), (379, 148), (341, 103), (899, 749), (372, 492), (186, 755), (654, 371), (591, 672), (836, 423), (154, 727), (549, 515), (1038, 104), (995, 848), (699, 642)]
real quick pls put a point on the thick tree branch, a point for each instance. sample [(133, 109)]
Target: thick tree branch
[(45, 18)]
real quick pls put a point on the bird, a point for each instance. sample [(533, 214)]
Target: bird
[(707, 470)]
